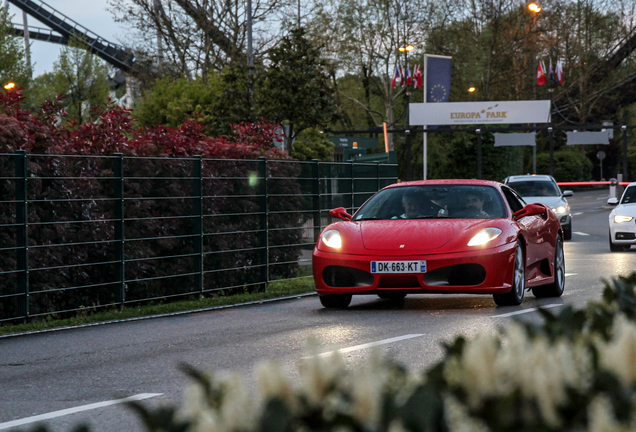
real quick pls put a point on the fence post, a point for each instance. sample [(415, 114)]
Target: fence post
[(197, 228), (263, 220), (551, 141), (315, 193), (624, 139), (353, 195), (377, 173), (120, 239), (22, 232), (478, 153)]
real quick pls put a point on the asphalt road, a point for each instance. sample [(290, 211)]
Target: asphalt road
[(81, 375)]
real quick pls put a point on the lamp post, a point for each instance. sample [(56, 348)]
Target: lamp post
[(406, 49), (535, 9)]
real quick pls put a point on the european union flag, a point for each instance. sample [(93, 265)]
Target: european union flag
[(438, 78)]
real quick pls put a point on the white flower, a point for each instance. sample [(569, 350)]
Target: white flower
[(368, 384), (273, 383), (619, 355), (320, 374), (601, 417)]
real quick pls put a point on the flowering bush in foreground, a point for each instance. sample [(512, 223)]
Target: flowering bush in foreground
[(574, 372)]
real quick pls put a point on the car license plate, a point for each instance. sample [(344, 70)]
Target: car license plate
[(398, 266)]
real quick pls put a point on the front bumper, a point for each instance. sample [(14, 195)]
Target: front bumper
[(623, 233), (479, 271)]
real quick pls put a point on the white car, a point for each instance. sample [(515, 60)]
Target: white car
[(622, 223), (545, 190)]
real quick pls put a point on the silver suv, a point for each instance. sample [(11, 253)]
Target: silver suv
[(544, 189)]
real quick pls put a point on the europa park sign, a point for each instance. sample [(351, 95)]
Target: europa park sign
[(461, 113)]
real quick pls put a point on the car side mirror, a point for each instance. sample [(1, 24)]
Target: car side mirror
[(568, 193), (340, 213), (531, 210), (612, 201)]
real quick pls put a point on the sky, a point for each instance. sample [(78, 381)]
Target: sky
[(92, 14)]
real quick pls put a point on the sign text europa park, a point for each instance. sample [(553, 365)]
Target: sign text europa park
[(489, 112)]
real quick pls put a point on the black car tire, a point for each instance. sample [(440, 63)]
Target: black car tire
[(567, 231), (392, 296), (514, 297), (335, 301), (556, 288)]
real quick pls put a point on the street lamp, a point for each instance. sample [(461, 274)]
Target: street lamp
[(535, 9), (406, 49), (471, 89), (9, 86)]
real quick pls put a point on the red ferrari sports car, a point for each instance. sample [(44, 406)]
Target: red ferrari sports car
[(441, 236)]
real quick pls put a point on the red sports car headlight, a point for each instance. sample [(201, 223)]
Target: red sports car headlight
[(332, 239), (484, 236)]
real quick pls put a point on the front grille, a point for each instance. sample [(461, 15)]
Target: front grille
[(456, 275), (340, 277), (625, 236)]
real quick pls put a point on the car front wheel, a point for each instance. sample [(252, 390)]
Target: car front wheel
[(515, 295), (567, 232), (340, 301)]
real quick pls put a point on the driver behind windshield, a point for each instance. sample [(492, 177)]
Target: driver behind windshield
[(415, 206)]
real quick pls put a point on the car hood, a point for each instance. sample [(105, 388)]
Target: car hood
[(421, 235), (552, 202), (625, 210)]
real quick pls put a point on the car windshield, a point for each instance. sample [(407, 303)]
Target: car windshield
[(434, 202), (535, 188), (629, 196)]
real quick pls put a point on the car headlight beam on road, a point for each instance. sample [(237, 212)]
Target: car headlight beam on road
[(332, 239), (484, 236), (621, 219)]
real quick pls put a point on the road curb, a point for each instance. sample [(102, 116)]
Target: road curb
[(208, 309)]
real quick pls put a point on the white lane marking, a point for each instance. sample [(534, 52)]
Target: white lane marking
[(580, 233), (69, 411), (368, 345), (577, 213), (571, 274), (525, 311)]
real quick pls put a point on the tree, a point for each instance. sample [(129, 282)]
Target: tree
[(311, 144), (13, 67), (82, 78), (295, 88), (169, 102), (197, 37)]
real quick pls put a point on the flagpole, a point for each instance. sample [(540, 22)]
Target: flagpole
[(424, 143)]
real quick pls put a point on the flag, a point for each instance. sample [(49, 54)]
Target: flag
[(409, 80), (551, 72), (417, 76), (559, 72), (396, 77), (438, 78), (540, 74)]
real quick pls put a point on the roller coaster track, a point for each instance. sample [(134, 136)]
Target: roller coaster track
[(66, 28)]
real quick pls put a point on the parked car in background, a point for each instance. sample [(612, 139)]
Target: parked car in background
[(622, 220), (545, 190)]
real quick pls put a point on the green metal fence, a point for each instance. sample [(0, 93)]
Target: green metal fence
[(100, 231)]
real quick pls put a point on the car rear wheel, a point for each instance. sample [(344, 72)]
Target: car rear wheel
[(392, 296), (335, 301), (567, 232), (615, 247), (515, 295), (556, 288)]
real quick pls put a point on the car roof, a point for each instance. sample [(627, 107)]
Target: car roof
[(469, 182), (540, 177)]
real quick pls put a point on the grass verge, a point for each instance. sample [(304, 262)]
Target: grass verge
[(275, 289)]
